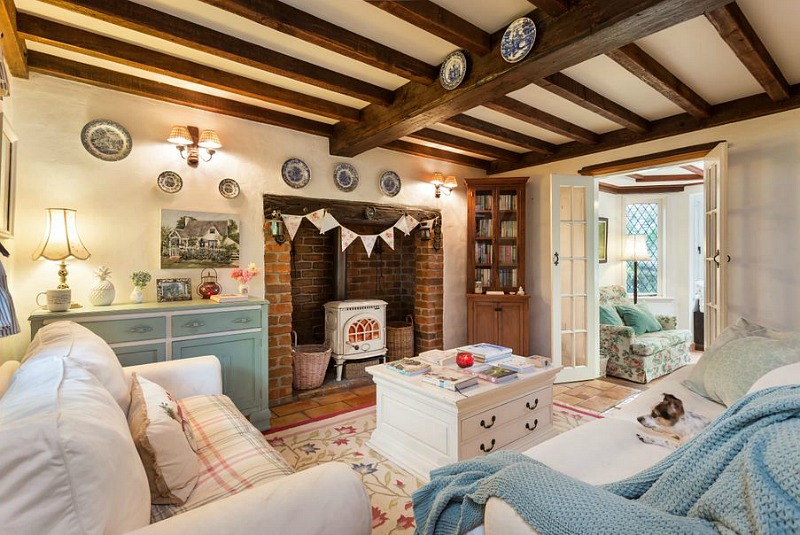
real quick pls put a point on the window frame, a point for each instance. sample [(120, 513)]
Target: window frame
[(661, 277)]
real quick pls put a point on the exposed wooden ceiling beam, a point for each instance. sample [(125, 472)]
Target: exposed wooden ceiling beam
[(554, 8), (522, 112), (647, 69), (88, 74), (176, 30), (693, 169), (469, 145), (735, 29), (498, 133), (97, 46), (565, 87), (292, 21), (440, 22), (656, 159), (436, 154), (664, 178), (632, 190), (14, 49), (592, 28)]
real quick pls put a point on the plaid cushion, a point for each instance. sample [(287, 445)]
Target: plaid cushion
[(233, 455)]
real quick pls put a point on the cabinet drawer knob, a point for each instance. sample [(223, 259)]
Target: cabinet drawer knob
[(140, 330), (535, 425), (484, 449), (535, 404), (242, 320), (490, 424), (194, 324), (498, 309)]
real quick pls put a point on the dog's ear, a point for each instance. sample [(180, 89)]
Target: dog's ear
[(670, 397), (674, 406)]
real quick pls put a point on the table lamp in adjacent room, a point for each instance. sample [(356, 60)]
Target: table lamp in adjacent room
[(61, 241), (634, 249)]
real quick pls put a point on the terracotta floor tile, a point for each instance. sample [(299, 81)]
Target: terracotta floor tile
[(289, 419), (620, 392), (569, 400), (599, 403), (366, 399), (364, 390), (298, 406), (600, 384), (324, 410), (584, 392), (334, 398), (560, 389)]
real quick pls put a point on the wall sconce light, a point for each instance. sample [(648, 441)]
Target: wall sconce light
[(61, 241), (189, 141), (276, 227), (443, 184)]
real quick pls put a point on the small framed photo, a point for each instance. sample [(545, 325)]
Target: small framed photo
[(173, 290)]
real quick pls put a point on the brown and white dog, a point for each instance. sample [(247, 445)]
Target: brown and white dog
[(672, 424)]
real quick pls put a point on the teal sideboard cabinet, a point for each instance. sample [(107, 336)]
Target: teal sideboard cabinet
[(236, 333)]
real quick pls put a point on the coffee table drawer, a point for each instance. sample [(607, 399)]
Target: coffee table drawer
[(501, 415), (528, 426), (236, 320)]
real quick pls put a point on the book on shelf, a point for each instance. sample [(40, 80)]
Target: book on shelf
[(409, 366), (449, 379), (437, 357), (492, 373), (485, 352), (228, 298)]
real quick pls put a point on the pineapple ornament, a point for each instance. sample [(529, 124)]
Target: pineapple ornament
[(102, 291)]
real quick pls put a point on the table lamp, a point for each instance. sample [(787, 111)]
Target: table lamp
[(61, 241), (634, 249)]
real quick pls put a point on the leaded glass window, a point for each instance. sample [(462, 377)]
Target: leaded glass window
[(642, 218)]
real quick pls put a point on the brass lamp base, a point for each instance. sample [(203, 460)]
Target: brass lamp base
[(62, 274)]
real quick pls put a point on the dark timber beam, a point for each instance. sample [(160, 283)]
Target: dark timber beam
[(97, 46), (735, 29), (424, 151), (664, 178), (656, 159), (292, 21), (521, 111), (14, 49), (439, 22), (88, 74), (693, 169), (176, 30), (565, 87), (469, 145), (631, 190), (554, 8), (591, 28), (498, 133), (647, 69)]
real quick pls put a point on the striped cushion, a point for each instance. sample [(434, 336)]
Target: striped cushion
[(233, 455)]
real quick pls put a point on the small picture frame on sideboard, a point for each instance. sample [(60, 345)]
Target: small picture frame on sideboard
[(173, 290)]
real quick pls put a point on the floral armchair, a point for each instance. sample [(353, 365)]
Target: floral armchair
[(643, 357)]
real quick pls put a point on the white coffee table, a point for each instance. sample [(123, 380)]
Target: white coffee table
[(421, 427)]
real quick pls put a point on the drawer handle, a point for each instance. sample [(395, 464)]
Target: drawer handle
[(535, 404), (484, 449), (485, 426), (535, 425), (242, 320), (194, 324), (140, 330)]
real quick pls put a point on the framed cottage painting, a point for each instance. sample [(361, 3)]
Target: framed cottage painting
[(199, 240)]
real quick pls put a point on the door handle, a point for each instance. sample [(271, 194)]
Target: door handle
[(716, 256), (535, 425), (498, 309), (555, 259), (484, 449)]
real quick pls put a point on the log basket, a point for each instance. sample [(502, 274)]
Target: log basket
[(309, 364), (400, 339)]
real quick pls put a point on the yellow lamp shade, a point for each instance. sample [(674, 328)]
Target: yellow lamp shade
[(180, 135), (209, 140), (438, 179), (61, 240), (450, 182)]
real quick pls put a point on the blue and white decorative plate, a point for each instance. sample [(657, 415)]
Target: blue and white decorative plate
[(229, 188), (296, 173), (453, 70), (170, 182), (390, 183), (107, 140), (518, 40), (345, 177)]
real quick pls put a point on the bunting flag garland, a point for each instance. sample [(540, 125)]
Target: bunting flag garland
[(388, 237), (292, 223), (402, 225), (369, 243), (348, 237), (316, 217), (328, 223), (411, 223)]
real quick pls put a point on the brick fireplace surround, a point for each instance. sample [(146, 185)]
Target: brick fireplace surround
[(299, 282)]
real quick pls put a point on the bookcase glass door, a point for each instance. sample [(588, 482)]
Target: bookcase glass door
[(484, 237), (507, 236)]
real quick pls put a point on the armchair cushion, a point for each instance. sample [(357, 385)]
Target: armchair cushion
[(639, 317), (609, 316), (651, 343)]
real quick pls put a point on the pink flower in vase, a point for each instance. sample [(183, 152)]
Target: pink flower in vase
[(243, 276)]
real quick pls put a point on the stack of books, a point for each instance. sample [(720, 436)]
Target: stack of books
[(449, 379), (487, 352), (491, 373), (228, 298), (409, 366), (437, 357)]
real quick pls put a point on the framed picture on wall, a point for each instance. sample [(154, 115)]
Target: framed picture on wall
[(8, 167), (602, 239)]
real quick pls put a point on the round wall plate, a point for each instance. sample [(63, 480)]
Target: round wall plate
[(518, 40), (453, 70), (170, 182), (229, 188), (390, 183), (345, 177), (107, 140), (296, 173)]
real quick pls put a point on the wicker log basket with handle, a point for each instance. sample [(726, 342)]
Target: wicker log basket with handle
[(400, 339), (309, 363)]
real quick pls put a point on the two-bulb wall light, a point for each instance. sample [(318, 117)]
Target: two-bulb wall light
[(190, 140)]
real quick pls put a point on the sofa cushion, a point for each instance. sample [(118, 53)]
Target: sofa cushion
[(7, 371), (234, 456), (650, 343), (639, 317), (164, 441), (74, 342), (68, 464), (609, 316)]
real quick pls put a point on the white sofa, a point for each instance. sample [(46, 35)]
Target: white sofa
[(607, 449), (68, 463)]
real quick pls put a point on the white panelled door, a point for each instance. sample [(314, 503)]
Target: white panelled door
[(575, 321), (717, 258)]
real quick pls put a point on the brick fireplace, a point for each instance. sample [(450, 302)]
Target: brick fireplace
[(302, 275)]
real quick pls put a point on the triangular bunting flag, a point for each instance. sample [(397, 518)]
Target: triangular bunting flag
[(348, 237), (292, 223), (388, 236), (328, 223), (369, 243), (411, 223), (316, 217), (402, 225)]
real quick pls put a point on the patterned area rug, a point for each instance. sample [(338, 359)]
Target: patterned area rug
[(344, 437)]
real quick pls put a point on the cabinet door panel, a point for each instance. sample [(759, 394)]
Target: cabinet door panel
[(484, 324), (141, 354), (511, 326), (243, 376)]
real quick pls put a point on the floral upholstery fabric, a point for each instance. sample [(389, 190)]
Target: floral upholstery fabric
[(641, 358)]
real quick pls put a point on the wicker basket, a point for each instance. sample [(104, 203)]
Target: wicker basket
[(309, 364), (400, 339), (358, 368)]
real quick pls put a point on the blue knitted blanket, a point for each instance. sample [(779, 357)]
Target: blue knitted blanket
[(739, 476)]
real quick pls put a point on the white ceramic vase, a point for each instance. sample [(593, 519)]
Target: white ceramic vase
[(102, 291), (244, 289), (136, 295)]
